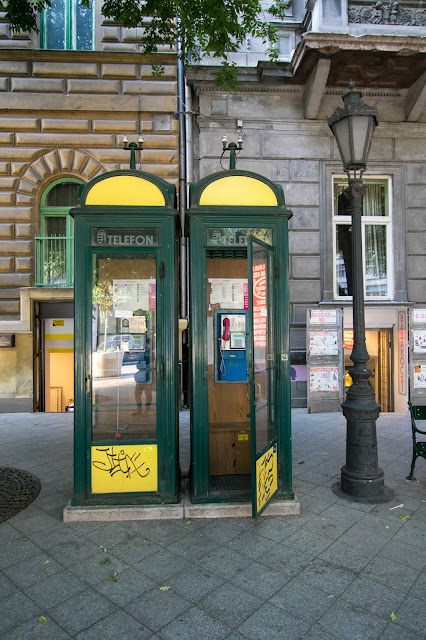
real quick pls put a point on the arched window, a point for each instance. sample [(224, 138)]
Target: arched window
[(54, 246)]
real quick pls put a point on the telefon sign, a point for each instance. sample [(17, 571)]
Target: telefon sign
[(124, 237)]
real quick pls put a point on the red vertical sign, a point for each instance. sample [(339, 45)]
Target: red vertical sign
[(260, 312)]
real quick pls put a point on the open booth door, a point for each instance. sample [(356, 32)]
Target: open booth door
[(264, 457)]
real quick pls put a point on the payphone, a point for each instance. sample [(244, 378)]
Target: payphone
[(232, 344)]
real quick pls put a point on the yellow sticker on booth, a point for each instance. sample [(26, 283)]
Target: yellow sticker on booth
[(266, 477), (243, 437), (58, 323), (127, 468)]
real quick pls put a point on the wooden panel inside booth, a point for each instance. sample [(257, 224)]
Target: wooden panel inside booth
[(229, 403)]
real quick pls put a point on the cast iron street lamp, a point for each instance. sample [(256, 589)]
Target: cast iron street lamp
[(361, 478)]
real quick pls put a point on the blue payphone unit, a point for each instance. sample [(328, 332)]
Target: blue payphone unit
[(231, 333)]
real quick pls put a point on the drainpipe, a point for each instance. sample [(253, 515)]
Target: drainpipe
[(182, 177)]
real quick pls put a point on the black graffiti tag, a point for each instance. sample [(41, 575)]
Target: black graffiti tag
[(121, 462)]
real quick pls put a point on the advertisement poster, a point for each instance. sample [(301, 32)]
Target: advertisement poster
[(419, 340), (420, 376), (324, 379), (229, 293), (260, 312), (131, 295), (327, 316), (323, 343)]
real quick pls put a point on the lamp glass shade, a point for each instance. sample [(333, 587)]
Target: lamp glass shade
[(341, 132), (353, 135)]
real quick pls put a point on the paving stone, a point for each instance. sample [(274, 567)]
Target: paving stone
[(303, 601), (391, 573), (81, 611), (34, 569), (55, 590), (224, 562), (194, 584), (162, 565), (394, 631), (110, 535), (418, 590), (97, 568), (160, 531), (347, 622), (327, 577), (411, 615), (193, 623), (251, 545), (130, 585), (116, 625), (316, 633), (157, 608), (7, 587), (343, 555), (260, 580), (274, 622), (17, 609), (16, 551), (286, 560), (230, 604), (193, 546), (222, 530), (278, 528), (134, 549), (374, 597), (72, 551), (36, 630)]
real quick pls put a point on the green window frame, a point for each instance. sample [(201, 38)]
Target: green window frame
[(54, 246), (67, 24)]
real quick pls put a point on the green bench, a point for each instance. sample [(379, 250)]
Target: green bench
[(418, 412)]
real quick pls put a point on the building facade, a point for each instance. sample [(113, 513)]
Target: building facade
[(281, 113), (67, 97)]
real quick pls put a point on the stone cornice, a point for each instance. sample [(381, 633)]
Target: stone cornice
[(118, 57)]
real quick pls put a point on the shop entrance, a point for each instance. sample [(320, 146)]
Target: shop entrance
[(380, 349), (54, 356)]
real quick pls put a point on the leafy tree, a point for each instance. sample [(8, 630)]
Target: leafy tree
[(204, 27)]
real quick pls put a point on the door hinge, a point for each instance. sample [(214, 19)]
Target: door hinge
[(162, 270)]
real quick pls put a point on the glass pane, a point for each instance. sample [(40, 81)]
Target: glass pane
[(83, 27), (263, 347), (344, 259), (374, 202), (64, 194), (236, 236), (54, 25), (376, 280), (55, 226), (124, 378)]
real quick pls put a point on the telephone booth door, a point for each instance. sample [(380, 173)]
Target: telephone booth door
[(126, 344), (240, 378)]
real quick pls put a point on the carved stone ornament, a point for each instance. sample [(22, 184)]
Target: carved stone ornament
[(387, 13)]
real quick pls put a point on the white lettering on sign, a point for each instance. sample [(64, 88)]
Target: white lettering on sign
[(419, 316), (130, 240), (402, 352), (323, 317)]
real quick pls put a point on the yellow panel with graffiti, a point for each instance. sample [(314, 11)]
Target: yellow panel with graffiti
[(126, 468), (266, 477)]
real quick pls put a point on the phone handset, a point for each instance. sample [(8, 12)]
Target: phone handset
[(225, 327)]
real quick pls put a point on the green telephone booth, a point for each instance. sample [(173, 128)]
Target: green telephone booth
[(126, 363), (239, 327)]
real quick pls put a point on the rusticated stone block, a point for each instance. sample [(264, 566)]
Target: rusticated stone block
[(289, 146), (19, 124), (304, 243), (170, 71), (416, 220), (52, 124), (63, 140), (416, 243), (18, 214), (15, 247), (3, 84), (4, 168), (305, 267), (65, 69), (6, 265), (153, 87), (7, 197), (417, 266), (119, 71), (14, 280), (94, 86), (9, 307), (6, 230), (304, 218), (15, 68), (23, 264), (410, 149), (305, 291), (115, 126), (6, 139), (110, 33), (416, 173), (7, 183), (23, 230), (298, 194), (304, 170), (37, 85), (416, 195)]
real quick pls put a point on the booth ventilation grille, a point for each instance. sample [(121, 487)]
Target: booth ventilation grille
[(229, 252)]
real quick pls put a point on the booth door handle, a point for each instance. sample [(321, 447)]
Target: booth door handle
[(257, 397), (88, 385)]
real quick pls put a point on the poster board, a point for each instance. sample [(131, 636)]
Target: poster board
[(325, 359), (417, 345)]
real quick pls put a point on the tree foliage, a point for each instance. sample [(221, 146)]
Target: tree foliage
[(204, 27)]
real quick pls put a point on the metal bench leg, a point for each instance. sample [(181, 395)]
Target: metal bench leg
[(413, 464)]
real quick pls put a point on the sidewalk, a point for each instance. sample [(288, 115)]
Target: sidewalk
[(339, 571)]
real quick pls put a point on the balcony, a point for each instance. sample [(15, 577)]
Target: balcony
[(54, 261)]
